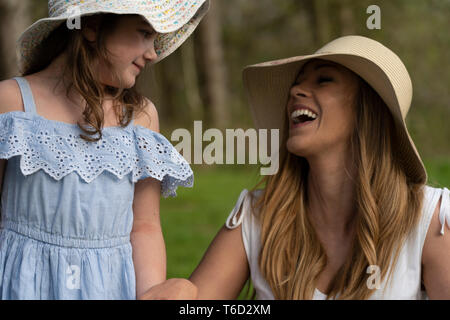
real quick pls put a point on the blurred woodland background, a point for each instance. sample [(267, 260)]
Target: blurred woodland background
[(202, 81)]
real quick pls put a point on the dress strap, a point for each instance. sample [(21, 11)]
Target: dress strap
[(444, 212), (232, 221), (27, 95)]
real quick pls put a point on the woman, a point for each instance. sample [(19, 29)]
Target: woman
[(348, 215)]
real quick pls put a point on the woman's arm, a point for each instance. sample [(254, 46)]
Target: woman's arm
[(221, 274), (436, 259), (149, 252), (223, 270)]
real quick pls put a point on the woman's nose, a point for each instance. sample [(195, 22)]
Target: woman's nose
[(300, 90)]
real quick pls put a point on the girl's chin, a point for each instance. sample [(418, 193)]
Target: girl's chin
[(127, 84), (130, 82)]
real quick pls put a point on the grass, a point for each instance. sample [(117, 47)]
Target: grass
[(191, 220), (438, 170)]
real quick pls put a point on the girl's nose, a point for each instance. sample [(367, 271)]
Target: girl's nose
[(150, 54)]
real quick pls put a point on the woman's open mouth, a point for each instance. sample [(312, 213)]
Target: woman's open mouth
[(302, 117)]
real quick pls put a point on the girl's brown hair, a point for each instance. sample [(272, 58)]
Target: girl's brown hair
[(388, 208), (81, 57)]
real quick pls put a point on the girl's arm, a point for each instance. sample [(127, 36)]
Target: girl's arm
[(10, 100), (436, 258), (149, 252), (2, 171)]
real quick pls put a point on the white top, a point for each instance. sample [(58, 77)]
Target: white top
[(406, 279)]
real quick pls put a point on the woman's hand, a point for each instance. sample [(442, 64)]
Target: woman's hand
[(172, 289)]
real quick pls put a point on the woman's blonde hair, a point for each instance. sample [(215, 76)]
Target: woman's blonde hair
[(81, 58), (388, 208)]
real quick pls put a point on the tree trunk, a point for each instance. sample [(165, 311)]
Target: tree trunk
[(192, 90), (214, 66), (15, 17), (346, 17), (321, 21)]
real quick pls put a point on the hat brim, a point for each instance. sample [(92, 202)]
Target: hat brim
[(170, 37), (267, 87)]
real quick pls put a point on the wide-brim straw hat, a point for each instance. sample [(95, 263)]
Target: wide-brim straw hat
[(267, 87), (174, 20)]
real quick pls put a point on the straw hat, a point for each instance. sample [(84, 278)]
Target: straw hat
[(267, 86), (175, 20)]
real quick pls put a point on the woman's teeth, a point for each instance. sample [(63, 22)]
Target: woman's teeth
[(302, 115)]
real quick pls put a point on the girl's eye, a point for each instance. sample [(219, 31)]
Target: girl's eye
[(324, 79), (146, 33)]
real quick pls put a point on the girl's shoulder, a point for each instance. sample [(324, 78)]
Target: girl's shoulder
[(10, 97), (148, 118)]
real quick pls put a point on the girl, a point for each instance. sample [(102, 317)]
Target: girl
[(83, 161), (348, 215)]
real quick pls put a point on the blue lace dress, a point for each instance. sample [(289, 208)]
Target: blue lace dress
[(66, 204)]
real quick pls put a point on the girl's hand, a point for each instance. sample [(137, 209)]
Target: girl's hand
[(172, 289)]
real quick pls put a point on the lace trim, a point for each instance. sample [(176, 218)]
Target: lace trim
[(56, 148)]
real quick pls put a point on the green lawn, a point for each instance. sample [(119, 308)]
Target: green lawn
[(438, 170), (191, 220)]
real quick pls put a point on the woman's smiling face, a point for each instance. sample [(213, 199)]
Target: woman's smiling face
[(321, 108)]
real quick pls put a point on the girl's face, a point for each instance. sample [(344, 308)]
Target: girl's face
[(321, 108), (130, 47)]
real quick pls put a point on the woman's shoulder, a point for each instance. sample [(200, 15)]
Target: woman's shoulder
[(243, 211), (435, 219), (10, 97), (432, 200), (436, 208), (431, 208), (436, 245)]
